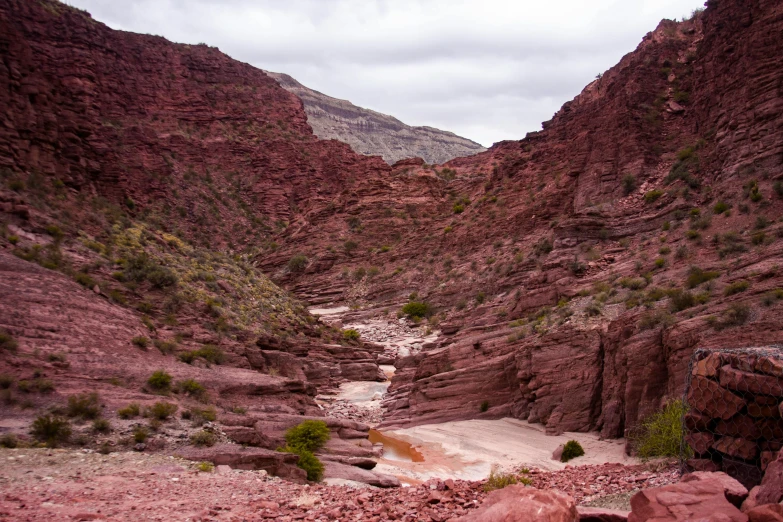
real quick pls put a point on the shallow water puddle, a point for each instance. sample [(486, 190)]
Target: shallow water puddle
[(395, 449)]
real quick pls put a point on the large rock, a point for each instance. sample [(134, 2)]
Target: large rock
[(709, 397), (698, 496), (239, 457), (338, 470), (519, 503), (592, 514), (766, 513), (771, 488)]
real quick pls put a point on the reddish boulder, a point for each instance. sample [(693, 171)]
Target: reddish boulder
[(744, 449), (239, 457), (771, 488), (522, 504), (750, 382), (708, 397), (591, 514), (698, 496)]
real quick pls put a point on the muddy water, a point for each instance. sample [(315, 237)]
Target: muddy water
[(395, 449)]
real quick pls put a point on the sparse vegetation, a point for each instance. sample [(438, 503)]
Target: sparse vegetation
[(101, 425), (735, 315), (51, 430), (159, 380), (141, 341), (203, 438), (736, 287), (297, 263), (7, 342), (191, 387), (652, 196), (499, 480), (571, 450), (305, 439), (162, 410), (129, 411), (85, 405), (697, 276), (629, 184), (660, 434), (205, 467), (418, 309), (484, 406), (208, 352), (351, 334), (654, 318)]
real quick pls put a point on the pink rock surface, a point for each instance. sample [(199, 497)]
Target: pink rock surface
[(522, 504)]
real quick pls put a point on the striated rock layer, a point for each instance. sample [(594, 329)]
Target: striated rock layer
[(373, 133)]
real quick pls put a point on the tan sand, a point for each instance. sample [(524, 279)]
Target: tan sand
[(469, 449)]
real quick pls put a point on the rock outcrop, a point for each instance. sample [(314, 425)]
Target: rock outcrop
[(375, 134)]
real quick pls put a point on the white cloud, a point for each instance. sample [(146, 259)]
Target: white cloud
[(485, 69)]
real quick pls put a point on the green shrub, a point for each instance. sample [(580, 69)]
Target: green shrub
[(162, 410), (660, 262), (458, 208), (85, 280), (6, 381), (7, 342), (159, 380), (9, 440), (85, 405), (654, 318), (351, 335), (309, 435), (735, 315), (309, 463), (51, 429), (203, 438), (101, 425), (143, 268), (484, 406), (681, 299), (141, 341), (633, 283), (205, 467), (571, 450), (758, 238), (209, 352), (349, 246), (297, 263), (736, 287), (129, 411), (191, 387), (418, 309), (140, 434), (660, 434), (721, 207), (200, 415), (629, 184), (697, 276), (652, 196), (165, 347), (499, 480)]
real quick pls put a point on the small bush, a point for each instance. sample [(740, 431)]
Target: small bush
[(6, 381), (203, 438), (101, 425), (418, 309), (140, 434), (199, 416), (571, 450), (660, 434), (660, 262), (654, 318), (85, 405), (697, 276), (721, 207), (735, 315), (7, 342), (681, 300), (484, 406), (633, 283), (297, 263), (208, 352), (141, 341), (499, 480), (629, 184), (351, 335), (129, 411), (159, 380), (191, 387), (162, 410), (308, 462), (51, 430), (205, 467), (736, 287), (310, 435), (85, 280), (8, 441), (652, 196)]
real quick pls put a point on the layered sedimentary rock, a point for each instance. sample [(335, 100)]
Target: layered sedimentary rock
[(375, 134)]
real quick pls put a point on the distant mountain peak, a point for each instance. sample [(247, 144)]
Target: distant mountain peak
[(373, 133)]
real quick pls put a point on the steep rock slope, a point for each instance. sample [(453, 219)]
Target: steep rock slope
[(582, 265), (373, 133)]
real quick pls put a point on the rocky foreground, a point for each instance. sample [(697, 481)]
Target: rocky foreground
[(45, 484)]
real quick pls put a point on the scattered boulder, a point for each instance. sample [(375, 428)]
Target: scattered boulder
[(766, 513), (519, 503), (338, 470), (239, 457)]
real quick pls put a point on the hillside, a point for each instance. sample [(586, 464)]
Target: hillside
[(375, 134)]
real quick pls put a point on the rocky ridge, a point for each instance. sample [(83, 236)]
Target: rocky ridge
[(375, 134)]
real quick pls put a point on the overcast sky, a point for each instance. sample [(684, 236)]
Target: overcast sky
[(485, 69)]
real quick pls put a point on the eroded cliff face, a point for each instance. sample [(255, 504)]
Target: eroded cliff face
[(373, 133), (566, 261)]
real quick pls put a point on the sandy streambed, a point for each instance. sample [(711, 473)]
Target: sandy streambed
[(469, 449)]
